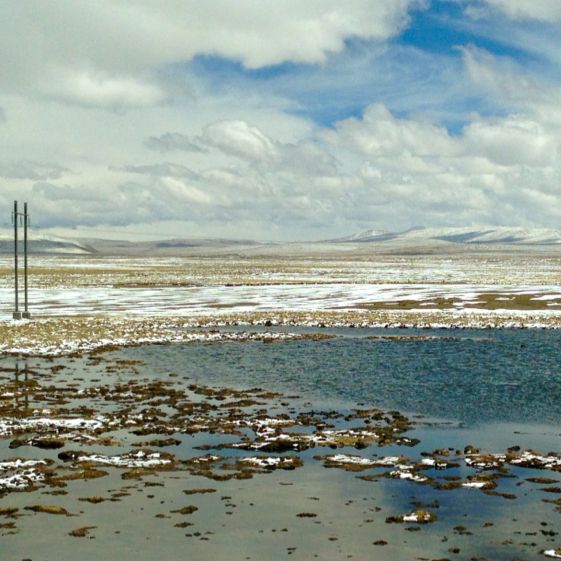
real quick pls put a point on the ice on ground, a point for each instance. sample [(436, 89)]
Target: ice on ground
[(18, 463), (21, 480), (341, 459), (407, 472), (416, 517), (272, 462), (485, 461), (20, 474), (346, 459), (9, 426), (436, 463), (139, 459), (220, 299), (534, 460)]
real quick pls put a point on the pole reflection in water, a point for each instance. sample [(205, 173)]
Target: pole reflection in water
[(21, 387)]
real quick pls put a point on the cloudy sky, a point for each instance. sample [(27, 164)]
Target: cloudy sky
[(280, 119)]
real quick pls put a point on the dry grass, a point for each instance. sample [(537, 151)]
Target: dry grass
[(62, 271), (483, 301), (63, 334), (56, 336)]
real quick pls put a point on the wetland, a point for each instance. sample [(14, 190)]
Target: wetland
[(357, 444)]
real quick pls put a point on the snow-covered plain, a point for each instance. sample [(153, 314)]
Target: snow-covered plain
[(168, 301), (132, 300), (187, 286)]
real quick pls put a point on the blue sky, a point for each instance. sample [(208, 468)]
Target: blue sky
[(281, 119), (415, 72)]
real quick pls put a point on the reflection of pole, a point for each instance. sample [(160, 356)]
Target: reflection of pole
[(25, 283), (16, 388), (26, 378), (17, 313)]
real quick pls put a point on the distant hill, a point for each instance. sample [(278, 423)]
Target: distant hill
[(45, 244), (459, 235), (169, 247), (414, 240)]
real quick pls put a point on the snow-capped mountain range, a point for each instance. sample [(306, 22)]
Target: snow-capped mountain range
[(453, 239), (463, 235)]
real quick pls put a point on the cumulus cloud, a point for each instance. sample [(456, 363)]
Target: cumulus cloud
[(240, 139), (250, 144), (514, 141), (240, 159), (107, 54), (494, 171), (379, 134), (378, 169)]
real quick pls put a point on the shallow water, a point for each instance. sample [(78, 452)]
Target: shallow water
[(466, 375), (491, 389)]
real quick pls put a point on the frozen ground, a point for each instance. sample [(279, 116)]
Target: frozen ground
[(309, 297), (132, 298), (512, 270)]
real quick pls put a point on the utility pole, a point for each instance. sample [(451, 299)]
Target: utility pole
[(16, 218), (26, 314)]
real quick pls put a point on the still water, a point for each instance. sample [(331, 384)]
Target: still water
[(464, 375)]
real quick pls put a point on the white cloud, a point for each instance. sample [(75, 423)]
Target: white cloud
[(171, 141), (108, 54), (162, 169), (54, 193), (542, 10), (508, 84), (237, 159), (514, 141), (377, 170), (494, 172), (180, 192), (238, 138), (26, 169), (379, 134), (103, 91)]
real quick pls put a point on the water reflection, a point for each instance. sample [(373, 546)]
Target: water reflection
[(21, 386), (466, 375)]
